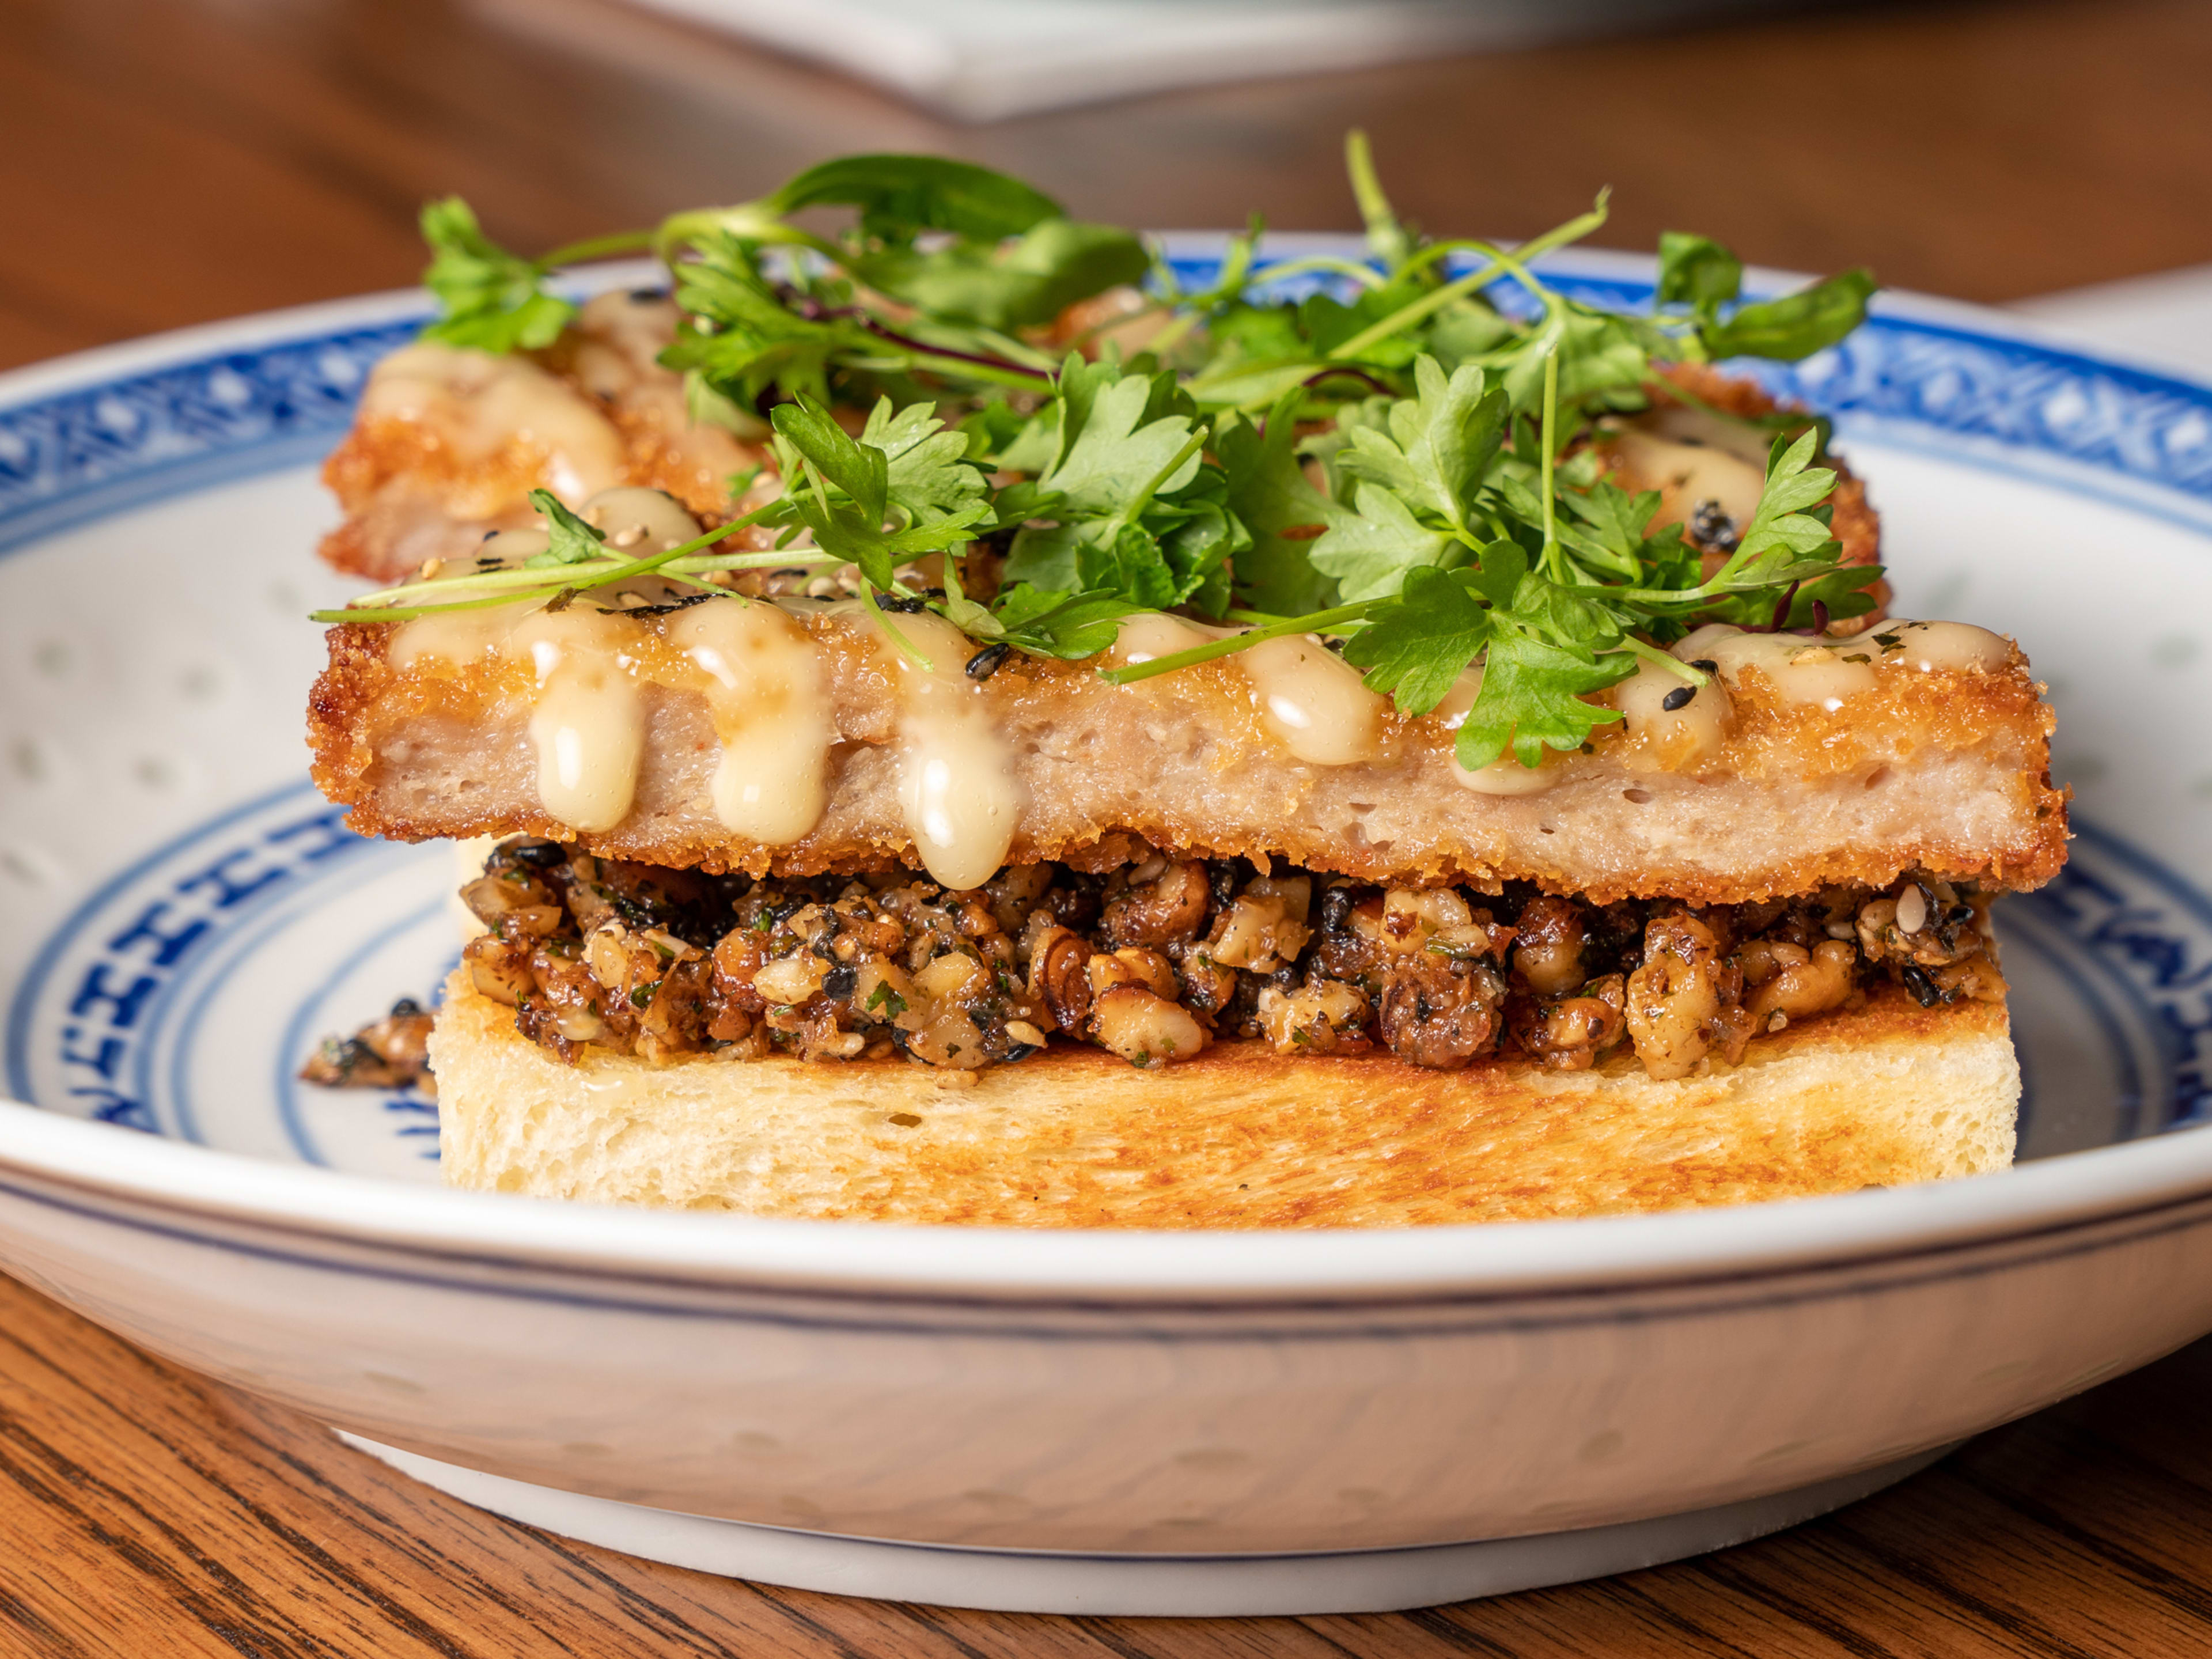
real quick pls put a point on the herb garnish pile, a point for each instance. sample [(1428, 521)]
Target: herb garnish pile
[(1465, 517)]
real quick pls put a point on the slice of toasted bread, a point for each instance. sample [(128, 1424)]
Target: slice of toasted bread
[(1239, 1137)]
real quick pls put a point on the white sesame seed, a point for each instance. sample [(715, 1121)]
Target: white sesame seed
[(1911, 910)]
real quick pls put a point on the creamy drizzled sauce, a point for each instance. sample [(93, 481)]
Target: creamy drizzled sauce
[(588, 712), (1309, 699), (957, 791), (1686, 423), (478, 404), (1150, 636), (1688, 473), (1827, 672), (771, 713), (1680, 737), (589, 721), (1928, 645), (1504, 776), (463, 637), (639, 521), (623, 336), (1801, 670), (1313, 702)]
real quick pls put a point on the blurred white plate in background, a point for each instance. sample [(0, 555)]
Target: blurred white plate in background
[(983, 60)]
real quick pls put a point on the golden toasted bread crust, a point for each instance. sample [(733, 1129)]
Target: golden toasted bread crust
[(1945, 771), (1239, 1137)]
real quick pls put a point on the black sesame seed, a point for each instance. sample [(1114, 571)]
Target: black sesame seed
[(1336, 911), (903, 607), (839, 983), (1707, 664), (1678, 698), (1924, 990), (668, 610), (1711, 524), (647, 295), (985, 663), (539, 854), (1222, 876), (406, 1008)]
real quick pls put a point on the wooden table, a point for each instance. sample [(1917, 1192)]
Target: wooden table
[(169, 162)]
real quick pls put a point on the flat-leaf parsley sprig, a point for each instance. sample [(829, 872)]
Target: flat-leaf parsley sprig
[(1405, 459)]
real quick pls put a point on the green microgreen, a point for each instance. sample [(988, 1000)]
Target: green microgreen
[(1407, 461)]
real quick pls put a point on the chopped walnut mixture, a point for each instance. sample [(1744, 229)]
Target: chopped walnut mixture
[(1159, 958), (390, 1053)]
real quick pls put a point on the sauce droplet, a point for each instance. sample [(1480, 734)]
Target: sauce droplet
[(588, 722), (1504, 776), (479, 403), (764, 686), (1822, 671), (957, 791), (1928, 645), (1679, 725), (1313, 702)]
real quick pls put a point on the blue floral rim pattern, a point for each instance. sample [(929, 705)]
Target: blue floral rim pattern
[(76, 455)]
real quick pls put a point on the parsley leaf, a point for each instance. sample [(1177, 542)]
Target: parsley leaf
[(1795, 325), (843, 492), (1439, 445), (1697, 271), (488, 298), (862, 471), (900, 196), (1780, 528), (1374, 546), (1531, 697), (1134, 508), (1054, 264), (926, 469), (1070, 626), (738, 336), (573, 539), (1417, 648), (1117, 440), (1279, 505), (1610, 536)]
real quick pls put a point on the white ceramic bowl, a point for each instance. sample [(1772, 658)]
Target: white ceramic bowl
[(1062, 1420)]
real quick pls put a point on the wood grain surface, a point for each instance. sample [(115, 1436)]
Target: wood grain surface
[(164, 162), (145, 1511)]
